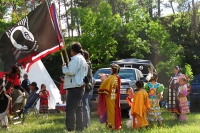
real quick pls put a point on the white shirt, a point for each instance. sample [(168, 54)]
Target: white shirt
[(75, 72)]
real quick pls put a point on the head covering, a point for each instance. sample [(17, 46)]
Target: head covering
[(115, 68), (62, 76), (34, 84), (177, 68)]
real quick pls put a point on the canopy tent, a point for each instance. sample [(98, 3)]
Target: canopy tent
[(39, 74)]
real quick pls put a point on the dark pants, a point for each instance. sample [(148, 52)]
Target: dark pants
[(86, 109), (74, 113)]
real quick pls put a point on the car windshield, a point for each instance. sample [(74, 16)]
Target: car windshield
[(196, 80), (124, 73)]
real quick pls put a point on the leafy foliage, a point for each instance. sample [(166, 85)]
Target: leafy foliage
[(117, 29), (98, 29), (188, 72)]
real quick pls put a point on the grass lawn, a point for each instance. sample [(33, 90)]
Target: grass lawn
[(56, 124)]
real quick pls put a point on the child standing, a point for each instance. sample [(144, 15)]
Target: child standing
[(182, 97), (44, 97), (140, 106), (154, 90), (62, 91), (129, 98)]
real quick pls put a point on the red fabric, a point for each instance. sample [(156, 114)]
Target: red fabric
[(128, 99), (118, 118), (31, 59), (44, 95), (62, 91), (61, 107), (16, 80), (54, 19), (2, 74), (101, 108)]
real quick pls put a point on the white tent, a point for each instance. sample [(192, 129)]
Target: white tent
[(38, 73)]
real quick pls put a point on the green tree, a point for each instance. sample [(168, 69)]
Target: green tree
[(98, 29)]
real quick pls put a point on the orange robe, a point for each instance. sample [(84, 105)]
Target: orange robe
[(109, 101), (139, 109)]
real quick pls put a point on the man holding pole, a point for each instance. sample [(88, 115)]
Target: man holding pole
[(74, 82)]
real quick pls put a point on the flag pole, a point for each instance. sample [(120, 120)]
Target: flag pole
[(48, 5), (65, 48)]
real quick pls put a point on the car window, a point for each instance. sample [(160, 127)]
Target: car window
[(124, 73), (196, 80), (101, 71)]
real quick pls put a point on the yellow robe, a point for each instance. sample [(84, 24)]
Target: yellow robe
[(139, 109), (109, 87)]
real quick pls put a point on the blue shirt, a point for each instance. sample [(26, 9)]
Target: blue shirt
[(32, 97)]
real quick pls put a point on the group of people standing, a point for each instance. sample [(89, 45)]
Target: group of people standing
[(144, 103), (145, 107), (177, 95), (12, 88)]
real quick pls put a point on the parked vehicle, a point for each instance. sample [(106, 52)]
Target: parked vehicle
[(128, 78), (142, 65), (194, 95)]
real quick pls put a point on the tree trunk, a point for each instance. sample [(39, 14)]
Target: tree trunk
[(171, 4), (59, 9), (159, 12), (66, 15), (1, 13), (112, 2), (149, 7), (25, 8), (71, 27), (194, 18), (77, 23)]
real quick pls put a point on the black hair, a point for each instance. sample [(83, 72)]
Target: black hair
[(42, 85), (139, 84), (86, 55), (128, 89), (15, 70), (76, 47)]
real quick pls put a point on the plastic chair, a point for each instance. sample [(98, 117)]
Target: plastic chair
[(31, 109), (16, 118)]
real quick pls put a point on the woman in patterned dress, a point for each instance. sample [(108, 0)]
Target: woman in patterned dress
[(172, 99), (154, 90)]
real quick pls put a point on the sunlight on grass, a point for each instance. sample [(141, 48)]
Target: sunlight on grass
[(56, 124)]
